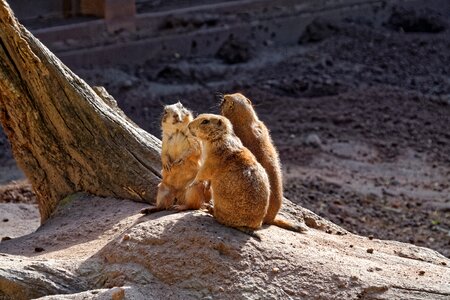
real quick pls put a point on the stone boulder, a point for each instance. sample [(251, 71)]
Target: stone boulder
[(102, 248)]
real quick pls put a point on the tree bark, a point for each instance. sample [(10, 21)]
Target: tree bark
[(64, 136)]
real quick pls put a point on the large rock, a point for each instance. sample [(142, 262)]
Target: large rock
[(100, 248)]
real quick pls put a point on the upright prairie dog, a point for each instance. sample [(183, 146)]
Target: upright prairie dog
[(240, 186), (180, 157), (256, 137)]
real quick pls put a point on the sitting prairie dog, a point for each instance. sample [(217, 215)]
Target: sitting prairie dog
[(180, 157), (240, 186), (256, 137)]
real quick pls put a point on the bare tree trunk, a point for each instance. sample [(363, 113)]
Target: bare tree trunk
[(63, 135)]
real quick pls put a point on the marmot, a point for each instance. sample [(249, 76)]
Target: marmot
[(180, 157), (240, 185), (256, 137)]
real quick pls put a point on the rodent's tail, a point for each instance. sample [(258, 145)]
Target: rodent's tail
[(299, 227), (150, 210)]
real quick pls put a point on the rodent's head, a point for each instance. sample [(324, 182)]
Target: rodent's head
[(209, 127), (175, 116), (237, 107)]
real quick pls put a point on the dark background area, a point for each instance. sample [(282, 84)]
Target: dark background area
[(356, 93)]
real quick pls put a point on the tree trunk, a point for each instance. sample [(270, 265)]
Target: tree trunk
[(63, 135)]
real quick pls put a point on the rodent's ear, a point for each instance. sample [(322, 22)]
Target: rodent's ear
[(248, 101), (219, 122)]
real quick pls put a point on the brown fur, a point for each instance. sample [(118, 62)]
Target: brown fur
[(256, 137), (240, 186), (180, 156)]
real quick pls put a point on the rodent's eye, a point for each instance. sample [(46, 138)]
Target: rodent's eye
[(204, 122)]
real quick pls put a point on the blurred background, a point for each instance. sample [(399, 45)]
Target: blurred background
[(356, 94)]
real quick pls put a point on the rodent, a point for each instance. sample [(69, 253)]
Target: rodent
[(256, 137), (180, 157), (239, 183)]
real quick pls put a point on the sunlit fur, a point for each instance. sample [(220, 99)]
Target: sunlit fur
[(180, 156), (256, 137), (240, 186)]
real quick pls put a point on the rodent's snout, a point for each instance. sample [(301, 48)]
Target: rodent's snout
[(176, 118), (222, 102), (190, 129), (225, 100)]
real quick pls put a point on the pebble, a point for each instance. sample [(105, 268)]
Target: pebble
[(314, 140), (370, 250)]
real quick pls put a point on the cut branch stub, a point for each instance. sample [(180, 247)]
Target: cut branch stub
[(63, 135)]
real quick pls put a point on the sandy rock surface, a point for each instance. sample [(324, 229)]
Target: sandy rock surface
[(98, 248)]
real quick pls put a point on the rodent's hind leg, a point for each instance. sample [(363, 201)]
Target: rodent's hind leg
[(196, 195), (165, 196), (208, 208)]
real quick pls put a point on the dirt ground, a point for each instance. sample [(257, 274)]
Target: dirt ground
[(360, 114)]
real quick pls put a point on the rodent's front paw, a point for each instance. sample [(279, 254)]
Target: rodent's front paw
[(208, 208), (177, 162), (192, 184), (166, 167)]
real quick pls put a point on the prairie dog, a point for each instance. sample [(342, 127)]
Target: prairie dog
[(256, 137), (180, 157), (240, 186)]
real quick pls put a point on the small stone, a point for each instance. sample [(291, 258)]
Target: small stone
[(276, 270), (38, 249), (5, 220), (370, 237), (221, 289), (443, 263), (313, 140), (351, 246), (370, 250), (6, 238), (126, 237), (127, 84), (421, 273)]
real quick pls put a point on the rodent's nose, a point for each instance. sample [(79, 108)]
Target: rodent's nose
[(190, 129), (224, 99)]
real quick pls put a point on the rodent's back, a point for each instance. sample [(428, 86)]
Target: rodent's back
[(240, 190), (256, 137)]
